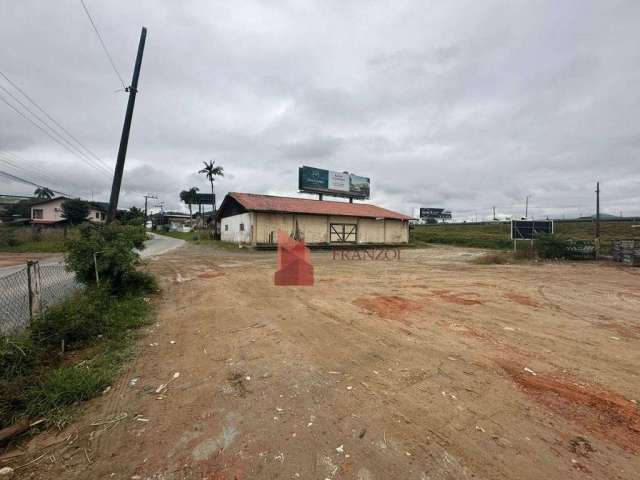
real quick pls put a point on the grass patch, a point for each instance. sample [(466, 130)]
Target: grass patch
[(29, 240), (38, 380), (201, 238), (493, 259), (497, 235)]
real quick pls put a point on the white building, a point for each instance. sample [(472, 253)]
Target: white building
[(49, 212)]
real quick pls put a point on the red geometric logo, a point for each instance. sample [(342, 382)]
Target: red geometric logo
[(294, 265)]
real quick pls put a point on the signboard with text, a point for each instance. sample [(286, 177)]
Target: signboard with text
[(530, 229), (341, 184), (438, 213)]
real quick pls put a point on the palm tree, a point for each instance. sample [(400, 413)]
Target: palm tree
[(189, 196), (43, 193), (211, 172)]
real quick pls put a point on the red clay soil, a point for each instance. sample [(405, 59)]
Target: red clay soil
[(392, 307), (601, 412), (461, 298), (521, 299), (625, 331)]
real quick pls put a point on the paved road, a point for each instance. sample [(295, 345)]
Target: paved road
[(159, 244)]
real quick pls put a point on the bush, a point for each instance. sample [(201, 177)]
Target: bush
[(113, 246), (551, 246), (8, 238), (33, 379)]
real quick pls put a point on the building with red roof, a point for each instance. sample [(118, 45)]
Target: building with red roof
[(256, 220)]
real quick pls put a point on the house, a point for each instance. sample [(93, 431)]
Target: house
[(256, 219), (8, 202), (49, 212)]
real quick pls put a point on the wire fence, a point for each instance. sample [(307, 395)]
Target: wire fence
[(30, 291)]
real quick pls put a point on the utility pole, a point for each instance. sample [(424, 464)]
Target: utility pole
[(526, 207), (146, 197), (597, 219), (494, 214), (124, 139)]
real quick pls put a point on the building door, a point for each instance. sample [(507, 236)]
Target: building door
[(343, 233)]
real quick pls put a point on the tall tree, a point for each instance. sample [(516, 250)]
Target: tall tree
[(189, 197), (75, 210), (43, 193), (211, 172)]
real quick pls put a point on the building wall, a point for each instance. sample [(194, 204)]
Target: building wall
[(371, 230), (52, 212), (315, 228), (396, 231), (230, 228)]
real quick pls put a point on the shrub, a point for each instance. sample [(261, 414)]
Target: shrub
[(8, 238), (551, 246), (115, 258), (75, 210)]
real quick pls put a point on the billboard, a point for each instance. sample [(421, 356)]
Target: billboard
[(341, 184), (203, 198), (530, 229), (435, 213)]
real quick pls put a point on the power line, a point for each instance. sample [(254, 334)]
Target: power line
[(103, 169), (8, 161), (104, 47), (16, 178), (75, 150), (53, 119)]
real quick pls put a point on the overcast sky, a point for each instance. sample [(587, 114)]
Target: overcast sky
[(456, 104)]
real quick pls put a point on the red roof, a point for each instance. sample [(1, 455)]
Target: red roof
[(270, 203)]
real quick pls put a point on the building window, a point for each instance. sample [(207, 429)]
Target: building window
[(242, 227), (98, 215), (226, 228), (102, 215), (37, 213)]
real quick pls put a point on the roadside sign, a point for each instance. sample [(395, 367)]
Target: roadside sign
[(530, 229)]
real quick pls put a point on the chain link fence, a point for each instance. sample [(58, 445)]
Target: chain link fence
[(31, 290)]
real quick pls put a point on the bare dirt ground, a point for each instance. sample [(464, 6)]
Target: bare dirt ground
[(12, 259), (424, 368)]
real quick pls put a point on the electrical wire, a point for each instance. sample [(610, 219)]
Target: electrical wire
[(104, 46), (17, 178), (96, 157), (102, 169)]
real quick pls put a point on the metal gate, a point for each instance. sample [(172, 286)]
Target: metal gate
[(343, 233)]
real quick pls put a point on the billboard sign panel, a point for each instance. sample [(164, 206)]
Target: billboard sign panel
[(435, 213), (341, 184), (203, 198), (530, 229)]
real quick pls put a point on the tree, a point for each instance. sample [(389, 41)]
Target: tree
[(75, 210), (211, 173), (189, 197), (43, 193), (133, 216)]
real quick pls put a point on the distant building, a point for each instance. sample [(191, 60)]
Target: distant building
[(172, 221), (256, 219), (49, 212), (8, 201)]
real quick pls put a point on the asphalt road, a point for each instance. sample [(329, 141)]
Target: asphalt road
[(159, 244)]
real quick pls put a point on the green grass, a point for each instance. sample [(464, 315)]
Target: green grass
[(201, 238), (38, 380), (26, 240), (497, 236)]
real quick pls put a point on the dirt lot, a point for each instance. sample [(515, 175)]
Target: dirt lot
[(424, 368)]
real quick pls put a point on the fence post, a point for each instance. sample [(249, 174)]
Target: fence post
[(95, 266), (30, 289)]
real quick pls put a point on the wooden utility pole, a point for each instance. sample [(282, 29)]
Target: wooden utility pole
[(124, 139), (526, 208)]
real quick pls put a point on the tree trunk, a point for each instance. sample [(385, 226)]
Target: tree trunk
[(190, 217), (213, 204)]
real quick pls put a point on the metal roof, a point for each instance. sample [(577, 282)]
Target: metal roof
[(270, 203)]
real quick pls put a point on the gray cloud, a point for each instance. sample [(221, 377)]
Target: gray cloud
[(463, 104)]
